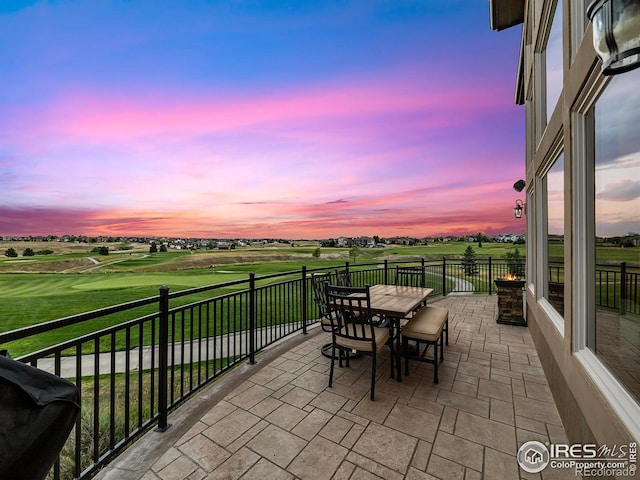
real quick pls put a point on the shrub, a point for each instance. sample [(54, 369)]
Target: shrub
[(469, 261), (515, 263)]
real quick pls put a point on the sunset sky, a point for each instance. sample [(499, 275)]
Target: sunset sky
[(247, 118)]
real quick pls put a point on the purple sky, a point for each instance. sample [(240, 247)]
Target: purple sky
[(257, 119)]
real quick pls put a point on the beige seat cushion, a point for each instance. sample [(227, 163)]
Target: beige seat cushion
[(381, 337), (427, 324)]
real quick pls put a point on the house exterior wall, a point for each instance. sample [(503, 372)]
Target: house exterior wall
[(593, 408)]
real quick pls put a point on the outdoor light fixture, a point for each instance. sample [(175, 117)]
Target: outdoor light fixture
[(519, 185), (519, 208), (616, 34)]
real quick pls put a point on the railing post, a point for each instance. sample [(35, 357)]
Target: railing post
[(163, 354), (304, 300), (386, 271), (444, 276), (623, 288), (252, 318), (490, 279)]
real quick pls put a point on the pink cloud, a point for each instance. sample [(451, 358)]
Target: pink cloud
[(351, 158), (386, 217), (96, 116)]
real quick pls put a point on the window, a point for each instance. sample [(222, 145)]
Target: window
[(548, 71), (554, 288), (550, 236), (613, 332), (553, 61)]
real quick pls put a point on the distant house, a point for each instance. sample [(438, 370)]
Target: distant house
[(343, 242), (364, 242)]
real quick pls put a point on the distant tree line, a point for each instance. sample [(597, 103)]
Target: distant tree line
[(154, 247)]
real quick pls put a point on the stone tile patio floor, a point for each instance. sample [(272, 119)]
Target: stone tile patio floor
[(278, 419)]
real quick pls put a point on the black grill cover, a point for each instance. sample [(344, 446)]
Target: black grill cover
[(37, 412)]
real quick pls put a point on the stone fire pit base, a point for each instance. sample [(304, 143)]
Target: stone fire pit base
[(510, 304)]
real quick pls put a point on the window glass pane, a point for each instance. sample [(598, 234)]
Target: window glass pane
[(555, 234), (554, 61), (615, 337)]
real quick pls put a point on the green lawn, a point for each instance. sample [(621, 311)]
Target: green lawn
[(29, 298)]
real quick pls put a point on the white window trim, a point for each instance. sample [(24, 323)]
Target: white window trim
[(530, 118), (540, 80), (584, 235), (531, 239), (553, 315), (622, 403), (541, 234)]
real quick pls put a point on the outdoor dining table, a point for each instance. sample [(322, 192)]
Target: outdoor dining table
[(396, 302)]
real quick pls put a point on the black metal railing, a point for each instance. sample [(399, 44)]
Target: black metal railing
[(618, 288), (132, 373)]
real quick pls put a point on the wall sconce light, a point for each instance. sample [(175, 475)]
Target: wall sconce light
[(616, 34), (519, 208)]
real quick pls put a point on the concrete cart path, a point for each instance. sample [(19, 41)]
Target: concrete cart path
[(217, 347)]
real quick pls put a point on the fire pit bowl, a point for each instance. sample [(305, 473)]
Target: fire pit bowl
[(510, 304)]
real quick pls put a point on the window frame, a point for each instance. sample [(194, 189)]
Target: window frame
[(583, 224), (542, 234), (542, 115), (555, 13)]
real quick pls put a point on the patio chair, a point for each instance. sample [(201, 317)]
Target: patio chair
[(411, 277), (318, 281), (355, 328), (343, 278)]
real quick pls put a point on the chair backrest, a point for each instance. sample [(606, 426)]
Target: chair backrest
[(410, 277), (343, 278), (318, 281), (352, 312)]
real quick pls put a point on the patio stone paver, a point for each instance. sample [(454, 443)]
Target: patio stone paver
[(280, 420)]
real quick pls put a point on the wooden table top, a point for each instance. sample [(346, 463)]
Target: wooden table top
[(396, 301)]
